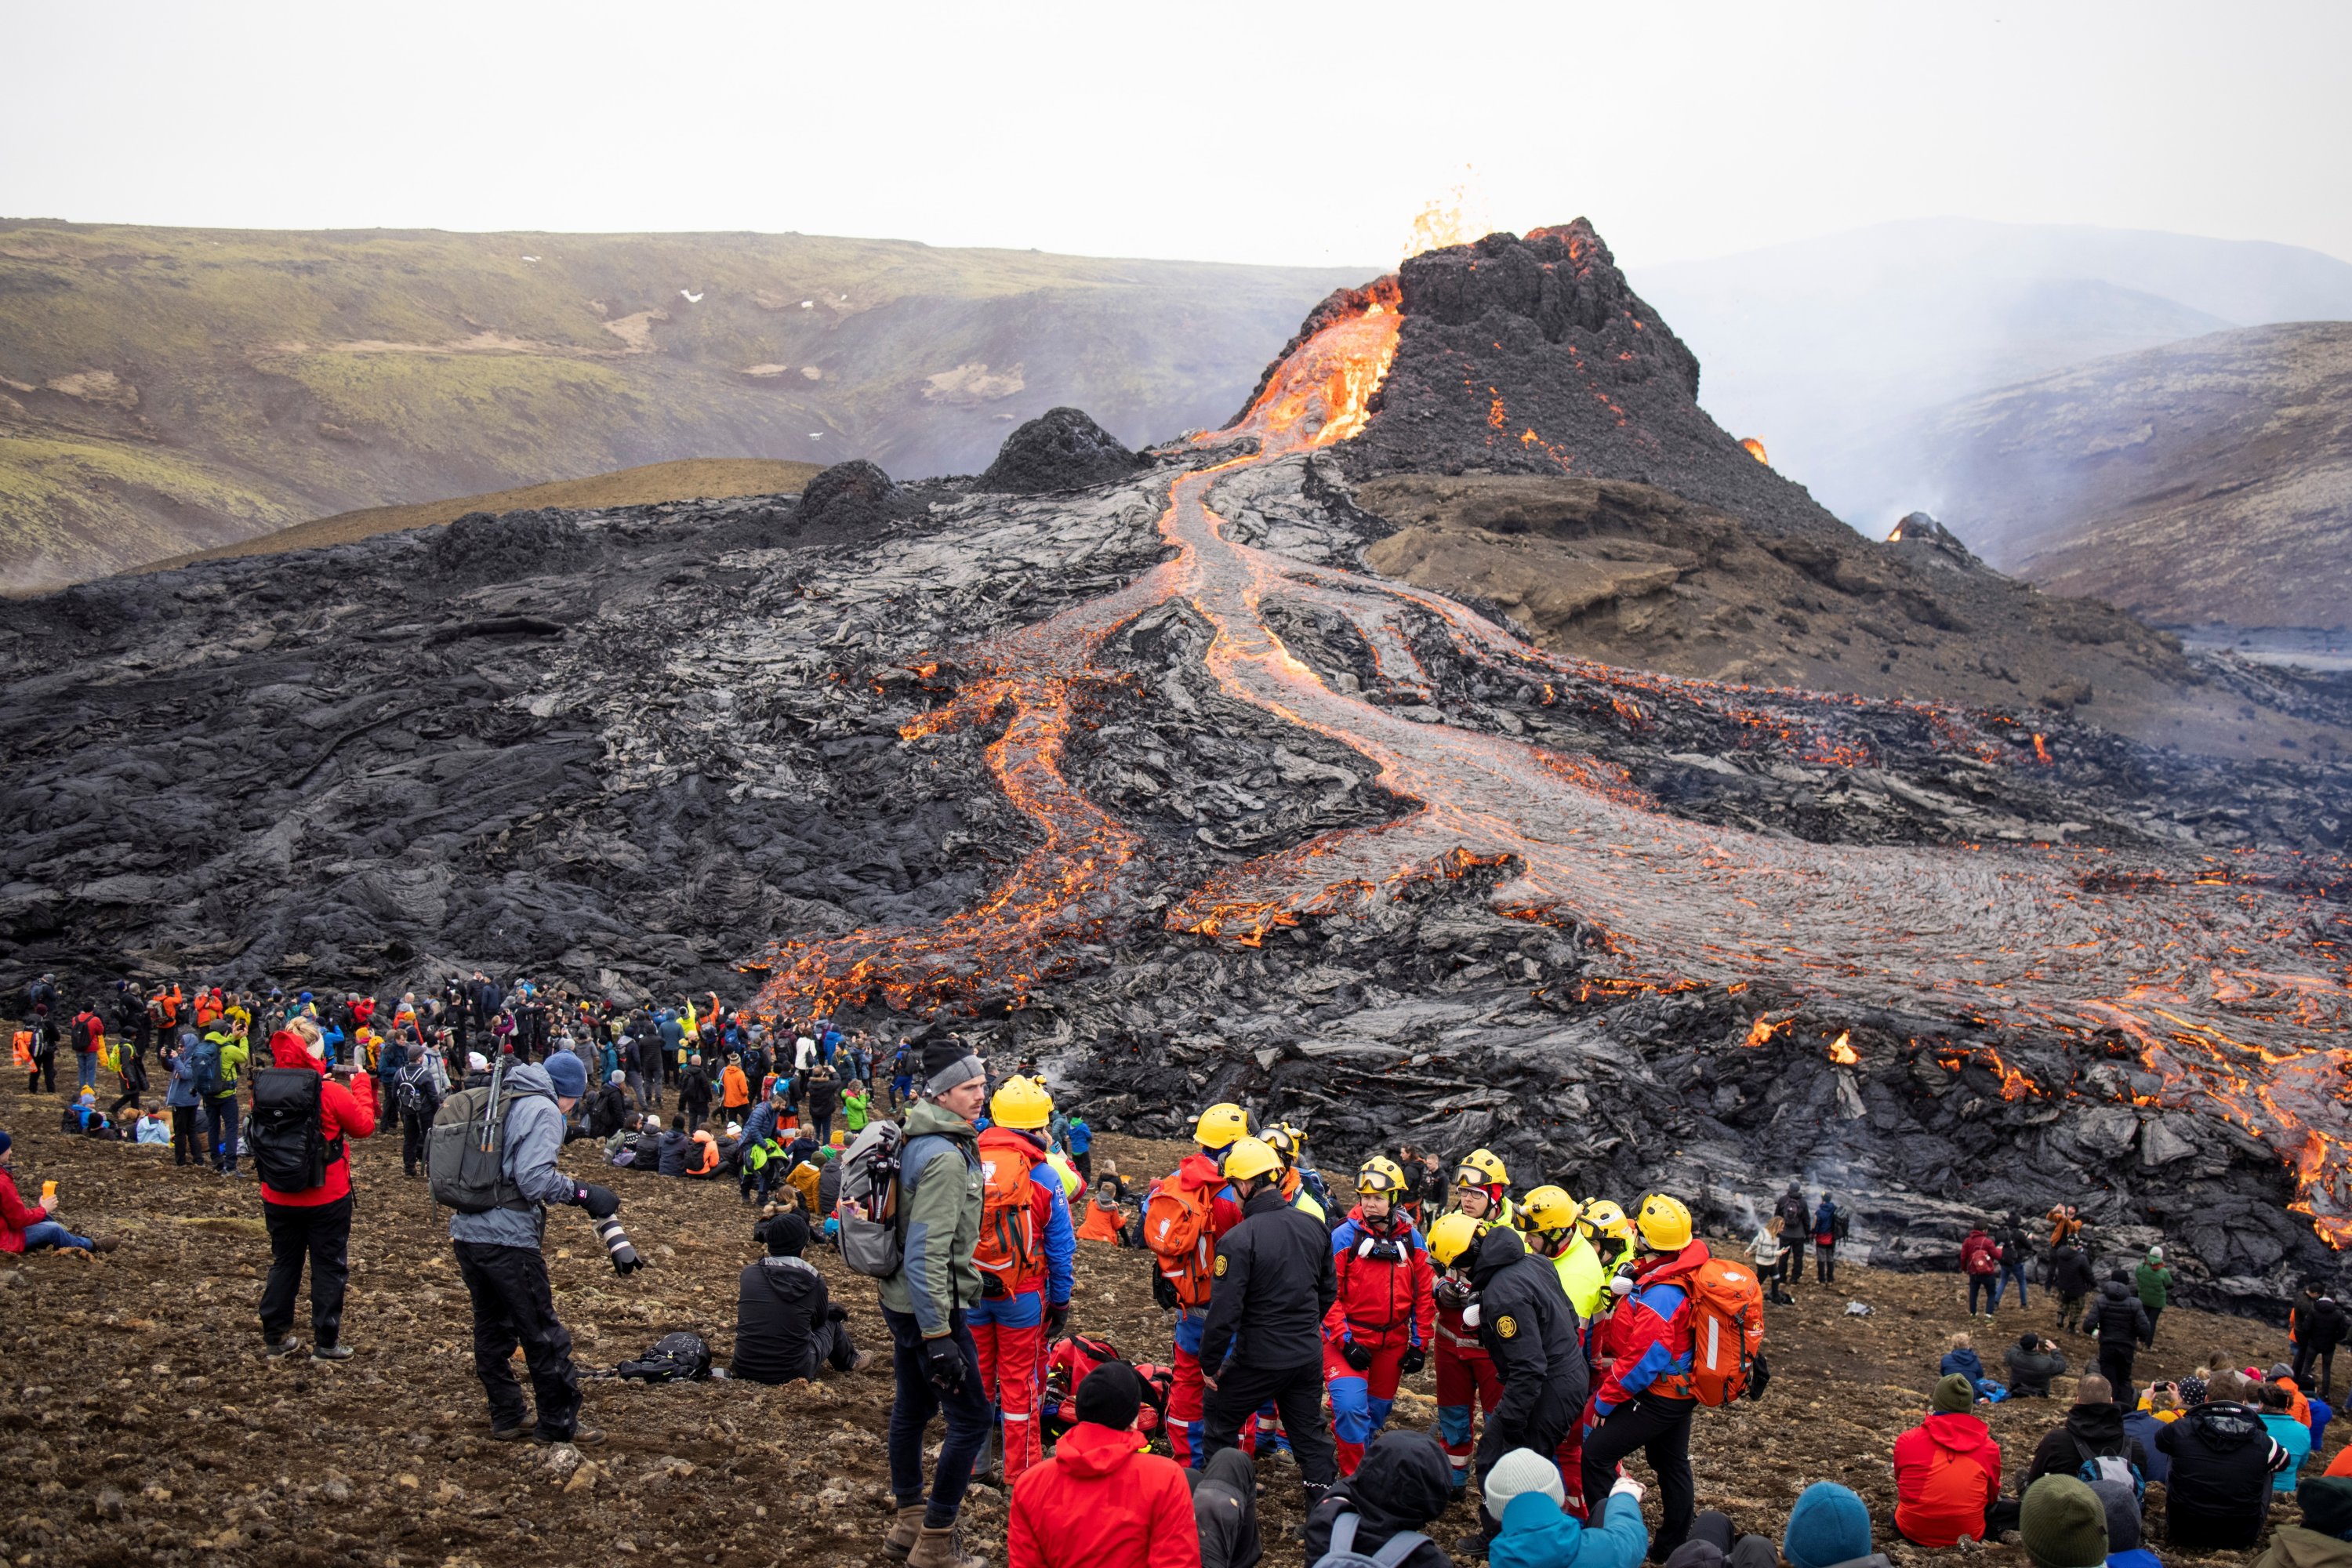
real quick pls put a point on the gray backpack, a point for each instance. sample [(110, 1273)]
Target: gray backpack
[(1343, 1552), (871, 1241), (466, 1151)]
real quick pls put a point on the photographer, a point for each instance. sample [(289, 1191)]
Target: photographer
[(2033, 1362), (498, 1243), (303, 1113)]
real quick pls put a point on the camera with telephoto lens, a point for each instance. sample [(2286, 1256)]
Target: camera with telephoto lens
[(617, 1243)]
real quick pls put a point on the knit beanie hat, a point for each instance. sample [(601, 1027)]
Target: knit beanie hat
[(1520, 1470), (1830, 1524), (1111, 1396), (2327, 1505), (946, 1063), (2121, 1504), (2063, 1524), (7, 1142), (568, 1073), (785, 1234), (1954, 1392)]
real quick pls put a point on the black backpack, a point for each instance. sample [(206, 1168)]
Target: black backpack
[(410, 1088), (675, 1358), (204, 1069), (291, 1149)]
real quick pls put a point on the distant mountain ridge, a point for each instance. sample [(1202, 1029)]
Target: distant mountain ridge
[(165, 391)]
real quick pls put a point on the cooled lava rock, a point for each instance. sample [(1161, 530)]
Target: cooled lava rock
[(851, 496), (1061, 449), (484, 546)]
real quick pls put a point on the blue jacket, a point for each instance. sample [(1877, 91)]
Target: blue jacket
[(1965, 1363), (181, 1092), (1537, 1534), (1825, 1220), (1082, 1137)]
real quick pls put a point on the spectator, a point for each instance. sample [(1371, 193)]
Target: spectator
[(1764, 1249), (2033, 1362), (23, 1229), (2324, 1538), (2063, 1524), (1538, 1533), (2297, 1405), (1224, 1510), (2093, 1429), (1404, 1484), (1829, 1528), (786, 1326), (1946, 1470), (1711, 1546), (2016, 1250), (1962, 1359), (823, 1094), (2315, 1328), (2124, 1529), (2157, 1410), (2071, 1278), (1104, 1499), (220, 1059), (180, 1099), (1980, 1261), (2120, 1323), (306, 1219), (2278, 1418), (1829, 1230), (676, 1146), (2223, 1456), (2154, 1281)]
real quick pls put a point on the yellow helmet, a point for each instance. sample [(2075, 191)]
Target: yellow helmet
[(1480, 1168), (1220, 1125), (1286, 1141), (1380, 1174), (1022, 1103), (1665, 1223), (1548, 1210), (1602, 1217), (1453, 1235), (1250, 1157)]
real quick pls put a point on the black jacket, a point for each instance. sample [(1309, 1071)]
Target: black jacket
[(2319, 1324), (1272, 1284), (2118, 1317), (2029, 1372), (675, 1147), (779, 1303), (2098, 1429), (694, 1088), (2016, 1244), (823, 1095), (1796, 1219), (2070, 1271), (648, 1049), (2218, 1490), (1529, 1331), (1404, 1483), (608, 1110)]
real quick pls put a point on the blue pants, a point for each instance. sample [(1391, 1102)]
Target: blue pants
[(49, 1233), (1981, 1286), (2009, 1271), (918, 1400), (85, 1070)]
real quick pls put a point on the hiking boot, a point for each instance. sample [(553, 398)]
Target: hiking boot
[(279, 1350), (104, 1243), (865, 1359), (941, 1548), (904, 1528), (579, 1437), (509, 1434), (331, 1353)]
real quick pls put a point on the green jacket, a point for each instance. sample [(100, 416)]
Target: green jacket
[(2155, 1287), (234, 1054), (938, 1208)]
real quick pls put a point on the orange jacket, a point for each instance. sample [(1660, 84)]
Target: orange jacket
[(734, 1089), (1101, 1223)]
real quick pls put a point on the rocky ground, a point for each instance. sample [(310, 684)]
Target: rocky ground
[(140, 1423)]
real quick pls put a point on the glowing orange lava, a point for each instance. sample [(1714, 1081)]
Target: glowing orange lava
[(1844, 1055), (1756, 450)]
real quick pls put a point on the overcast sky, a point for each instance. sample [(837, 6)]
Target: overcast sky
[(1261, 132)]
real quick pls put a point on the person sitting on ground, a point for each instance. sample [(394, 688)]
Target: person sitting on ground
[(1224, 1510), (1829, 1528), (2219, 1494), (1711, 1546), (2159, 1409), (701, 1156), (2063, 1524), (154, 1129), (675, 1148), (1946, 1470), (2093, 1429), (2298, 1404), (2125, 1529), (1404, 1485), (786, 1326), (1524, 1493), (807, 1178), (609, 1111), (2324, 1538), (2033, 1362), (1104, 1499), (2278, 1416), (1962, 1358), (85, 1119), (1104, 1220), (29, 1229)]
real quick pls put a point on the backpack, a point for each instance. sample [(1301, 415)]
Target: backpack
[(410, 1089), (2098, 1467), (204, 1068), (1176, 1227), (1837, 1226), (24, 1045), (675, 1358), (466, 1150), (291, 1151), (1343, 1552), (869, 1239), (1011, 1255), (1727, 1325)]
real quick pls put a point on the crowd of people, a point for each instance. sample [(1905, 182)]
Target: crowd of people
[(1565, 1335)]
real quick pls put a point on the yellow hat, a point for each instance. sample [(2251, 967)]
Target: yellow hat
[(1249, 1157), (1602, 1217), (1220, 1125), (1480, 1168), (1665, 1223), (1380, 1174), (1548, 1210), (1453, 1235), (1022, 1103)]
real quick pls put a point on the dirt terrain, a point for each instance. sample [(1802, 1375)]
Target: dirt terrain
[(142, 1426)]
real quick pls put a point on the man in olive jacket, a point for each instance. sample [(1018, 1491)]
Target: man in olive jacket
[(933, 1355)]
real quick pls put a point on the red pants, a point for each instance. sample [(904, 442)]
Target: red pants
[(1460, 1378), (1569, 1457), (1008, 1378), (1361, 1401), (1184, 1411)]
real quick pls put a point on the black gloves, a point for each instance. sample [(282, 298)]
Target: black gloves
[(601, 1203), (1057, 1314), (1355, 1355), (1163, 1291), (1412, 1362), (943, 1360), (835, 1314)]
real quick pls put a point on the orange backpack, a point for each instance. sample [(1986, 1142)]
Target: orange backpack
[(23, 1045), (1727, 1324), (1011, 1255), (1176, 1227)]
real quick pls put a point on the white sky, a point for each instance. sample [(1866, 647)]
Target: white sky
[(1261, 132)]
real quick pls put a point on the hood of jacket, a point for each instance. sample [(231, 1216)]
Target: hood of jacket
[(1198, 1170), (1403, 1483), (1231, 1526), (2224, 1429), (1963, 1434), (2099, 1425), (1498, 1250), (2117, 1290), (1094, 1451), (924, 1117), (287, 1050), (674, 1139), (790, 1280), (2299, 1546)]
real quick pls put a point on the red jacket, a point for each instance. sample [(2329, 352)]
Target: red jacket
[(1646, 1339), (1102, 1502), (1979, 1254), (1381, 1303), (342, 1113), (1946, 1472), (14, 1218)]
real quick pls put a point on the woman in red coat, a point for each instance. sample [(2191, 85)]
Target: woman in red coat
[(1947, 1471), (1102, 1501), (312, 1222)]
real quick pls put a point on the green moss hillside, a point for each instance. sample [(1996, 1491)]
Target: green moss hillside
[(169, 390)]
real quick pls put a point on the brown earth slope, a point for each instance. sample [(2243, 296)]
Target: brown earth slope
[(140, 1423)]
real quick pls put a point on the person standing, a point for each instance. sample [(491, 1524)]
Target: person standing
[(1645, 1402), (1980, 1261), (1468, 1387), (2016, 1251), (2155, 1283), (416, 1100), (694, 1091), (1381, 1325), (2315, 1326), (301, 1118), (1829, 1226), (934, 1358), (1272, 1285), (1024, 1255), (1531, 1333), (2118, 1322), (180, 1098), (1185, 1214), (220, 1060), (2072, 1277), (43, 1063)]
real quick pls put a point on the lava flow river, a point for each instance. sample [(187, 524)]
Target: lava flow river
[(2232, 984)]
